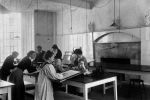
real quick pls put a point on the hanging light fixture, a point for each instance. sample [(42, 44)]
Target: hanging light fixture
[(114, 24)]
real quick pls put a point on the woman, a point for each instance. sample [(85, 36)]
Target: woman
[(16, 77), (39, 55), (57, 58), (44, 89), (8, 65), (80, 57), (57, 52), (80, 62)]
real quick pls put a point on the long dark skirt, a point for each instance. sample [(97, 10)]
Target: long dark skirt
[(18, 90), (3, 74)]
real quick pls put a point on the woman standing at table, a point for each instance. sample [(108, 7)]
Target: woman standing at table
[(57, 52), (8, 65), (44, 88), (16, 77), (57, 58)]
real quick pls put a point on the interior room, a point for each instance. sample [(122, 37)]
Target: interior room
[(112, 35)]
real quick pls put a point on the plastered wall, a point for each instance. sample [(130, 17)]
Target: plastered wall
[(71, 23)]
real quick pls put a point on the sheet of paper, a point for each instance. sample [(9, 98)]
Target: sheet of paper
[(70, 73)]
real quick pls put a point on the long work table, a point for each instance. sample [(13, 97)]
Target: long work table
[(5, 87), (86, 82)]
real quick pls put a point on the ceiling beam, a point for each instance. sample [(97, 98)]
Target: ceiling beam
[(78, 3)]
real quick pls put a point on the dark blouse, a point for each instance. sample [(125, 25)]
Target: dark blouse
[(26, 63), (58, 55), (76, 62), (6, 67), (40, 57)]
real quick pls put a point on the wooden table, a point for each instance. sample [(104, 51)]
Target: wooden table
[(5, 87), (86, 82)]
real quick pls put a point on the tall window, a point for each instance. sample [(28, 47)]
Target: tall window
[(10, 34)]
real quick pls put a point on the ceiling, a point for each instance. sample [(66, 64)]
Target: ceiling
[(51, 5)]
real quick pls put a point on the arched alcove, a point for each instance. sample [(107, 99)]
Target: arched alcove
[(118, 45), (111, 37)]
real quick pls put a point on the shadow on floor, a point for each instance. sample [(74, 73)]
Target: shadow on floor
[(123, 94)]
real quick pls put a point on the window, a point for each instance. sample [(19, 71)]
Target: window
[(10, 34)]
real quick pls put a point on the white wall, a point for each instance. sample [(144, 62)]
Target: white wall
[(145, 50), (132, 14)]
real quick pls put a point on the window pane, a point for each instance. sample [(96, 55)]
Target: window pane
[(10, 34)]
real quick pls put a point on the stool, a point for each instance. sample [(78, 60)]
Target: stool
[(137, 86)]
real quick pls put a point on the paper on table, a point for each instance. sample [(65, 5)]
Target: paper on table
[(70, 74)]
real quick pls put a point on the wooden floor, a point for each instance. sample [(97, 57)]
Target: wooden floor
[(123, 94)]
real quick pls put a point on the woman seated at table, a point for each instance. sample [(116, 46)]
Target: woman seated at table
[(82, 67), (44, 88), (80, 62)]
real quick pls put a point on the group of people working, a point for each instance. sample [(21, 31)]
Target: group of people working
[(49, 70), (15, 72)]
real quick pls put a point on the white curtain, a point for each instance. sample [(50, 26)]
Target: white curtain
[(10, 33), (27, 32)]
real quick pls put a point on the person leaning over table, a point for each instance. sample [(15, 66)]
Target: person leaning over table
[(16, 77), (44, 87), (8, 65)]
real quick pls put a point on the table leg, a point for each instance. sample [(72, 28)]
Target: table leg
[(115, 90), (85, 93), (66, 88), (9, 93), (104, 90)]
